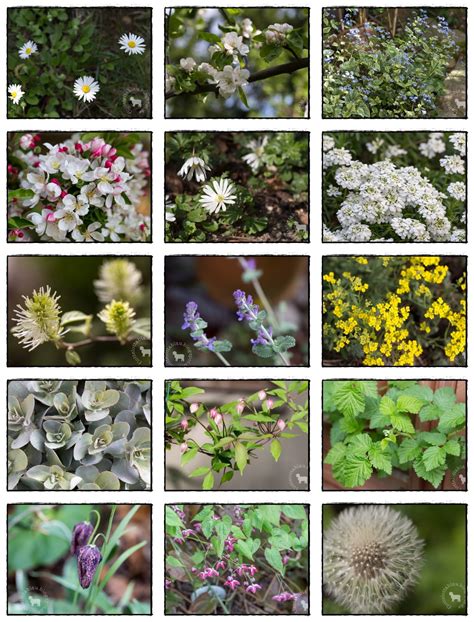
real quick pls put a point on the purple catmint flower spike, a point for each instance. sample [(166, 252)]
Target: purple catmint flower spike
[(87, 561), (80, 536), (194, 322)]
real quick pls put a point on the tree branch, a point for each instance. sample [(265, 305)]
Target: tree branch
[(278, 70)]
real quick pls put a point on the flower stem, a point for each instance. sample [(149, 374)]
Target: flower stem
[(222, 358)]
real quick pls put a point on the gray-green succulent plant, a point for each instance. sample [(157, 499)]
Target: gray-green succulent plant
[(79, 435)]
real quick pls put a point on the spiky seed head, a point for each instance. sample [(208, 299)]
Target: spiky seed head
[(118, 317), (372, 556), (119, 279)]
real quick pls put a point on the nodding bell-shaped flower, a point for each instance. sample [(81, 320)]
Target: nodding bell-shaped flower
[(281, 425), (87, 562), (80, 536), (194, 407)]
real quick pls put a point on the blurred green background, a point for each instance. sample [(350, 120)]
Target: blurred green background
[(72, 278), (281, 96), (443, 528)]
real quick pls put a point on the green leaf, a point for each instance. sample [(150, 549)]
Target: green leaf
[(262, 350), (387, 406), (241, 457), (434, 477), (349, 398), (434, 457), (357, 471), (296, 512), (200, 471), (209, 37), (20, 194), (283, 343), (336, 454), (222, 345), (243, 97), (402, 423), (273, 557), (379, 420), (189, 455), (409, 403), (275, 449), (172, 519), (432, 438), (408, 450), (380, 459), (430, 412), (208, 481), (242, 547), (72, 357), (224, 441), (173, 562), (360, 444), (453, 447), (444, 398), (453, 418)]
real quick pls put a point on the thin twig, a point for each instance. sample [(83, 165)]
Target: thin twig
[(279, 70)]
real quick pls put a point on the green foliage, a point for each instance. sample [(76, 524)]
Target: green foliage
[(73, 43), (70, 435), (371, 435), (247, 426), (258, 544), (370, 71)]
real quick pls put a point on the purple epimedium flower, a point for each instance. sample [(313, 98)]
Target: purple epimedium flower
[(88, 559), (80, 536), (283, 597), (253, 588), (232, 583)]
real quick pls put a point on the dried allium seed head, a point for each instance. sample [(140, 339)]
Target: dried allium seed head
[(372, 555)]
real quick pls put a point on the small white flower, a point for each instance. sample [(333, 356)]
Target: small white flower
[(28, 49), (217, 195), (188, 64), (208, 68), (453, 164), (458, 140), (170, 81), (276, 33), (457, 190), (46, 224), (196, 167), (333, 191), (233, 44), (86, 88), (132, 44), (375, 145), (230, 79), (254, 159), (39, 320), (328, 142), (15, 93), (433, 146)]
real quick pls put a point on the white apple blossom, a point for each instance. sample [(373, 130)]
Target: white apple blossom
[(188, 64), (230, 79), (234, 45)]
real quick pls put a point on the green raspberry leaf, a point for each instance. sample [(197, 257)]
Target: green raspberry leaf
[(434, 457)]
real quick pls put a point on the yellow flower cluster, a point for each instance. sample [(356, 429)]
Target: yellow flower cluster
[(389, 332)]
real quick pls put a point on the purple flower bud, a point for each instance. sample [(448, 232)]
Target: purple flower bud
[(87, 561), (80, 536)]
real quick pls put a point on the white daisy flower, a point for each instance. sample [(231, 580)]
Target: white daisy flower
[(217, 195), (254, 159), (194, 166), (132, 44), (15, 93), (86, 88), (28, 49)]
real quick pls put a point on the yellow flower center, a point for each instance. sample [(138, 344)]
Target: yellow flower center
[(132, 44), (14, 94), (86, 88), (220, 198), (28, 50)]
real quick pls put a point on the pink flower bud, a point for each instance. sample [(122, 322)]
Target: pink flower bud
[(281, 425), (184, 424), (183, 447), (240, 407), (194, 407), (262, 395), (78, 147), (213, 413), (269, 403), (218, 419)]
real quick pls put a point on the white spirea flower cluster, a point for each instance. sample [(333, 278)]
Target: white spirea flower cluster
[(398, 197), (82, 191), (372, 555)]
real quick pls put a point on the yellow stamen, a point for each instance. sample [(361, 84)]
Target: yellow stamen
[(132, 44), (86, 88)]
